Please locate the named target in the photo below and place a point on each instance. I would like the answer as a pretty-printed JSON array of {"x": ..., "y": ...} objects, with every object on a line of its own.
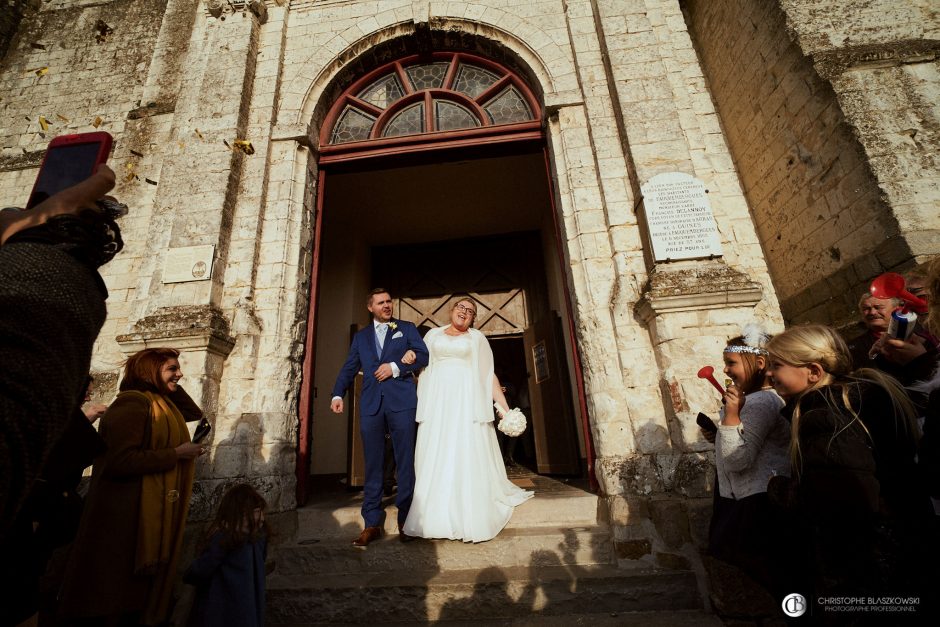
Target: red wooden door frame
[
  {"x": 305, "y": 410},
  {"x": 578, "y": 373}
]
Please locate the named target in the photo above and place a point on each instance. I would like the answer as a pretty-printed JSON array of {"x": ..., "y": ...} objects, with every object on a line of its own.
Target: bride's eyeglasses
[{"x": 466, "y": 310}]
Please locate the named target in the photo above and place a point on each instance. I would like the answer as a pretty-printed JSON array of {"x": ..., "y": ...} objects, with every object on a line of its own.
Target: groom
[{"x": 389, "y": 399}]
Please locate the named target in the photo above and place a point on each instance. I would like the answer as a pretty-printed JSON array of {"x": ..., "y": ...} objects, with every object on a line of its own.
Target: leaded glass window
[
  {"x": 473, "y": 80},
  {"x": 451, "y": 116},
  {"x": 408, "y": 121},
  {"x": 435, "y": 93},
  {"x": 353, "y": 125},
  {"x": 383, "y": 92},
  {"x": 429, "y": 76},
  {"x": 508, "y": 107}
]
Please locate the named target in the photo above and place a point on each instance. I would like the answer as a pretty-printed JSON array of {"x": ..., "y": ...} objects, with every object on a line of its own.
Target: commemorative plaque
[
  {"x": 189, "y": 263},
  {"x": 679, "y": 218}
]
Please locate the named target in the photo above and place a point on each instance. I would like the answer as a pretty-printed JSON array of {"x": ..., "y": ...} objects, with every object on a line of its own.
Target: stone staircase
[{"x": 554, "y": 559}]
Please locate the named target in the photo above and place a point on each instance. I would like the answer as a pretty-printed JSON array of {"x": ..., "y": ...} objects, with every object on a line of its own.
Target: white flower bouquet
[{"x": 512, "y": 422}]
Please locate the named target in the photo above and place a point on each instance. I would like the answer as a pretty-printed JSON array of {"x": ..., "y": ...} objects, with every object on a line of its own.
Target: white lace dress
[{"x": 461, "y": 488}]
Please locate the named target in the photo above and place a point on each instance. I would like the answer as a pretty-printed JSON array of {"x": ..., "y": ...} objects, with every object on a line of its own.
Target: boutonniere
[{"x": 392, "y": 325}]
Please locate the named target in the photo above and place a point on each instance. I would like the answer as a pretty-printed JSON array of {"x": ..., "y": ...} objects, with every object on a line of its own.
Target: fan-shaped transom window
[{"x": 448, "y": 92}]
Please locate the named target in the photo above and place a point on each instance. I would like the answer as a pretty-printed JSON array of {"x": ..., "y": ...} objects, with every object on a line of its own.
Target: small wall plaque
[
  {"x": 190, "y": 263},
  {"x": 679, "y": 218}
]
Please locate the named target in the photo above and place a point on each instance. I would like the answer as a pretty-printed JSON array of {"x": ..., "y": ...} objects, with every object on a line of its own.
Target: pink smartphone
[{"x": 69, "y": 159}]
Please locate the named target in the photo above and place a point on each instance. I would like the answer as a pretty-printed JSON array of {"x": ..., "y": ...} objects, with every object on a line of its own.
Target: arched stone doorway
[{"x": 432, "y": 182}]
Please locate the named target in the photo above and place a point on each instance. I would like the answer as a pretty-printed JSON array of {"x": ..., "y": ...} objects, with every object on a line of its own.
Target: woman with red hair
[{"x": 124, "y": 560}]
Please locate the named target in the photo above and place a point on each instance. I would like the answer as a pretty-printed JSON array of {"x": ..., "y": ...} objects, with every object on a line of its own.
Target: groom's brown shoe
[
  {"x": 368, "y": 535},
  {"x": 404, "y": 537}
]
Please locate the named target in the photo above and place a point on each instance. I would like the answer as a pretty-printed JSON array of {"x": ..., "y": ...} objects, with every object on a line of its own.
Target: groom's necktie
[{"x": 380, "y": 331}]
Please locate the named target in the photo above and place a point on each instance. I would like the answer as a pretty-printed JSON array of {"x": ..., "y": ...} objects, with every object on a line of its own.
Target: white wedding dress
[{"x": 461, "y": 488}]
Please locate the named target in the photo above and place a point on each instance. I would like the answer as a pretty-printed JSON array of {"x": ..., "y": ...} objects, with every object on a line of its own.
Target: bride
[{"x": 461, "y": 489}]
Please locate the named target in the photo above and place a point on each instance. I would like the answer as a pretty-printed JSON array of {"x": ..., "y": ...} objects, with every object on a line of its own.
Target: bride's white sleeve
[
  {"x": 421, "y": 414},
  {"x": 483, "y": 372}
]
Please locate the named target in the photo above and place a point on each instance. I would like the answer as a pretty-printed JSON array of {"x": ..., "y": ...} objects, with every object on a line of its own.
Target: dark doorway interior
[
  {"x": 426, "y": 228},
  {"x": 509, "y": 361}
]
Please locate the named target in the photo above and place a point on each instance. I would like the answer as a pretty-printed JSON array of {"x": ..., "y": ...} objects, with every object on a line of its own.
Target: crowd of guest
[{"x": 830, "y": 491}]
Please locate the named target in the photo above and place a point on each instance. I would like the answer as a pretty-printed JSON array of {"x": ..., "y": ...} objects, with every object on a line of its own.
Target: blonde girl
[
  {"x": 852, "y": 451},
  {"x": 750, "y": 447}
]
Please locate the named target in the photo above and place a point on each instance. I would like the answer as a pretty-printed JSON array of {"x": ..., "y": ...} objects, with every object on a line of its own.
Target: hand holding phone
[
  {"x": 69, "y": 160},
  {"x": 202, "y": 430},
  {"x": 72, "y": 200}
]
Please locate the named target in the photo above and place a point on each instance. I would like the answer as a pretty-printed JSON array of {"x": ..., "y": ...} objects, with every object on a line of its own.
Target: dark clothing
[
  {"x": 929, "y": 454},
  {"x": 403, "y": 432},
  {"x": 229, "y": 584},
  {"x": 51, "y": 310},
  {"x": 859, "y": 348},
  {"x": 54, "y": 502},
  {"x": 100, "y": 578},
  {"x": 858, "y": 499},
  {"x": 385, "y": 406},
  {"x": 395, "y": 393},
  {"x": 909, "y": 373},
  {"x": 747, "y": 533},
  {"x": 49, "y": 518}
]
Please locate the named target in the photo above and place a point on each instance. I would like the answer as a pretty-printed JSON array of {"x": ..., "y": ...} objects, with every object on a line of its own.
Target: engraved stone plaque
[
  {"x": 190, "y": 263},
  {"x": 679, "y": 218}
]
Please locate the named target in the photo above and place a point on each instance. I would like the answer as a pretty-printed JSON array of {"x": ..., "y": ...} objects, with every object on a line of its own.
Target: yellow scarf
[{"x": 164, "y": 505}]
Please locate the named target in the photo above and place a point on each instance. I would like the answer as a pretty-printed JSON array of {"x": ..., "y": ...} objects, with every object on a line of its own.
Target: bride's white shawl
[{"x": 481, "y": 370}]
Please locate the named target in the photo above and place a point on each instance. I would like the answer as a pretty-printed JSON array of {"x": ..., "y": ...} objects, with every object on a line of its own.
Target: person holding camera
[{"x": 52, "y": 306}]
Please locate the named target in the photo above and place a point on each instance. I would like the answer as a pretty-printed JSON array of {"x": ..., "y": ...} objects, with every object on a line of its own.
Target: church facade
[{"x": 280, "y": 157}]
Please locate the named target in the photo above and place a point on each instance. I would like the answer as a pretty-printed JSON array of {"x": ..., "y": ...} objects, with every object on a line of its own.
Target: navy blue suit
[{"x": 388, "y": 404}]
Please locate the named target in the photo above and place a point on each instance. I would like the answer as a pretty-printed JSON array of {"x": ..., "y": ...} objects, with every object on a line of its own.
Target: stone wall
[
  {"x": 882, "y": 60},
  {"x": 830, "y": 112},
  {"x": 176, "y": 86},
  {"x": 94, "y": 76},
  {"x": 815, "y": 202},
  {"x": 10, "y": 16}
]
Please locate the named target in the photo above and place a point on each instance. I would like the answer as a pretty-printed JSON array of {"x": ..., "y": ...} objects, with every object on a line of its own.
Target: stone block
[
  {"x": 230, "y": 461},
  {"x": 734, "y": 593},
  {"x": 672, "y": 561},
  {"x": 616, "y": 437},
  {"x": 671, "y": 521},
  {"x": 632, "y": 549},
  {"x": 627, "y": 510},
  {"x": 700, "y": 516}
]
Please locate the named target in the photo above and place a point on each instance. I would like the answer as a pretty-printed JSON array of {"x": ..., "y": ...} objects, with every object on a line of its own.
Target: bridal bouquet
[{"x": 512, "y": 422}]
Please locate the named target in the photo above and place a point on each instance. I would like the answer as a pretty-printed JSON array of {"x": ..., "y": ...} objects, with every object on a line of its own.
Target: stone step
[
  {"x": 483, "y": 596},
  {"x": 573, "y": 508},
  {"x": 536, "y": 546}
]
